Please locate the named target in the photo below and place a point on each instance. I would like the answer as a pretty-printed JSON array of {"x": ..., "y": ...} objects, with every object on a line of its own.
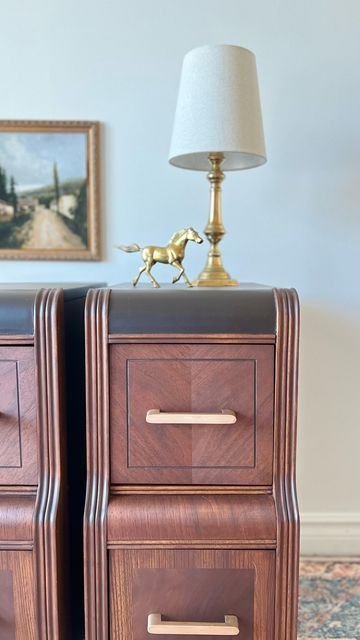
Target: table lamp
[{"x": 218, "y": 127}]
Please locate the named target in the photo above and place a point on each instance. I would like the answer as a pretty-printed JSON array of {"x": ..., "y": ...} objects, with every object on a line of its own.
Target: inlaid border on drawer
[
  {"x": 197, "y": 378},
  {"x": 18, "y": 434},
  {"x": 248, "y": 578}
]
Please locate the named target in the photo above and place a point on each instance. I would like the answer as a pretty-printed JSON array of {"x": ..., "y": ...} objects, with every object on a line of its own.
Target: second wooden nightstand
[{"x": 39, "y": 327}]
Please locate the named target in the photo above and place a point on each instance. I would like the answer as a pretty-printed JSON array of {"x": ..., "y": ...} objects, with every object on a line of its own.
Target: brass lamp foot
[
  {"x": 213, "y": 282},
  {"x": 214, "y": 274}
]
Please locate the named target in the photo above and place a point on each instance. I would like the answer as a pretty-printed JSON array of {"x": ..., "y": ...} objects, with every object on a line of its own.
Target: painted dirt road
[{"x": 48, "y": 231}]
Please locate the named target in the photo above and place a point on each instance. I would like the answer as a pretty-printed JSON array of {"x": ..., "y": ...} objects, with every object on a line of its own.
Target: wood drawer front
[
  {"x": 195, "y": 379},
  {"x": 7, "y": 612},
  {"x": 17, "y": 596},
  {"x": 18, "y": 441},
  {"x": 191, "y": 586}
]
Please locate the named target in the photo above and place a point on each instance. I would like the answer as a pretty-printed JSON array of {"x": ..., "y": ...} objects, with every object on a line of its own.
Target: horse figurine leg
[
  {"x": 136, "y": 279},
  {"x": 148, "y": 267},
  {"x": 182, "y": 273}
]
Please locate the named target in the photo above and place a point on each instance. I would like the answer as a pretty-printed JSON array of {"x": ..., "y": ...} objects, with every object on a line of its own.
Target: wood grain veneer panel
[
  {"x": 19, "y": 564},
  {"x": 10, "y": 447},
  {"x": 16, "y": 518},
  {"x": 191, "y": 378},
  {"x": 7, "y": 612},
  {"x": 191, "y": 385},
  {"x": 193, "y": 595},
  {"x": 247, "y": 578},
  {"x": 191, "y": 518},
  {"x": 18, "y": 439}
]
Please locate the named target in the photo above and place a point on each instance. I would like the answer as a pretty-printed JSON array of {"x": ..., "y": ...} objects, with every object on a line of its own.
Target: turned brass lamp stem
[{"x": 214, "y": 274}]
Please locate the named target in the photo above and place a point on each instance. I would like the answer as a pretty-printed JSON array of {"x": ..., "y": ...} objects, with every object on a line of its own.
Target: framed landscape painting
[{"x": 49, "y": 191}]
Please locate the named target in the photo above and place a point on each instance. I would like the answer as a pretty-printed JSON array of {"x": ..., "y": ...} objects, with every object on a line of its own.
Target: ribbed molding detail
[
  {"x": 48, "y": 317},
  {"x": 97, "y": 492},
  {"x": 286, "y": 376}
]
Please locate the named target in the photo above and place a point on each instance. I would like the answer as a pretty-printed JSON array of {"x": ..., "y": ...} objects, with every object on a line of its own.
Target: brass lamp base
[
  {"x": 227, "y": 282},
  {"x": 214, "y": 274}
]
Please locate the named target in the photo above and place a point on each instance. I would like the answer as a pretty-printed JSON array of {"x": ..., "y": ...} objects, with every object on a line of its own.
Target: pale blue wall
[{"x": 294, "y": 221}]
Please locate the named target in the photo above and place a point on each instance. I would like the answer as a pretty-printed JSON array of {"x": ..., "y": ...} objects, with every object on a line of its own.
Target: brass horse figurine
[{"x": 172, "y": 254}]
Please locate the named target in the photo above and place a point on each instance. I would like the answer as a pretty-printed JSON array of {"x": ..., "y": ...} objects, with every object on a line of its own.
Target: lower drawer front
[
  {"x": 17, "y": 604},
  {"x": 191, "y": 586}
]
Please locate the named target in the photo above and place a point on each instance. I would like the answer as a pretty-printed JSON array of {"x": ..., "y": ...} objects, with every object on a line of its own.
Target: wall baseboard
[{"x": 330, "y": 534}]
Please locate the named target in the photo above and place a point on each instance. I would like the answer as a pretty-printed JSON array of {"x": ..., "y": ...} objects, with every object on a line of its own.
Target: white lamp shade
[{"x": 218, "y": 110}]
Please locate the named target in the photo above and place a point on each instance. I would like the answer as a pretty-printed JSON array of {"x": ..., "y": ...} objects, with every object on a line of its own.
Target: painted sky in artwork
[{"x": 29, "y": 157}]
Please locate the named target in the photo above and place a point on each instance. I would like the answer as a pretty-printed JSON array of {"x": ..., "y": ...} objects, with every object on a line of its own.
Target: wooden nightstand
[
  {"x": 191, "y": 520},
  {"x": 37, "y": 326}
]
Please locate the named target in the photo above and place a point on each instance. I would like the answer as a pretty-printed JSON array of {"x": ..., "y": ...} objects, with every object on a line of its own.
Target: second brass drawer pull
[
  {"x": 155, "y": 416},
  {"x": 228, "y": 628}
]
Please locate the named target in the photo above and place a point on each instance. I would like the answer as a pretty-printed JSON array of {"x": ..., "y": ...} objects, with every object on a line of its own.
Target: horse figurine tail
[{"x": 129, "y": 248}]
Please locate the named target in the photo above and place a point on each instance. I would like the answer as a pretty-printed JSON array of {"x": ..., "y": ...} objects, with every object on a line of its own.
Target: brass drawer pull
[
  {"x": 155, "y": 416},
  {"x": 228, "y": 628}
]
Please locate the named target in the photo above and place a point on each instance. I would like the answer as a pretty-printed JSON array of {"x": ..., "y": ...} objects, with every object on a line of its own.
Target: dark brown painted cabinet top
[
  {"x": 17, "y": 304},
  {"x": 248, "y": 308}
]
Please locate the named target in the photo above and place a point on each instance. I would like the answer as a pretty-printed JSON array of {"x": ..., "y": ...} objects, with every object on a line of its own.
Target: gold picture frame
[{"x": 47, "y": 211}]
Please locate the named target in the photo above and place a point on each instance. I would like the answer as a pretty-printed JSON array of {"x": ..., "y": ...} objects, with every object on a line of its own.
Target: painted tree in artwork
[
  {"x": 3, "y": 185},
  {"x": 12, "y": 195},
  {"x": 78, "y": 224},
  {"x": 56, "y": 186},
  {"x": 80, "y": 213}
]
